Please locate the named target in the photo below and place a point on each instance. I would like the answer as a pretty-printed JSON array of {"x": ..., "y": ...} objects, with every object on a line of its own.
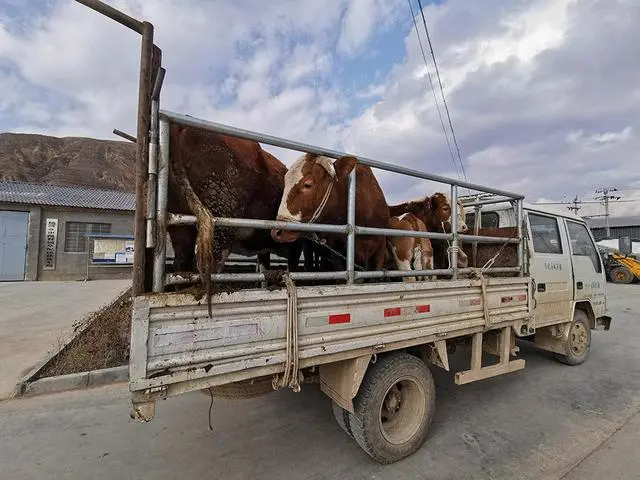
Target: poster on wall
[{"x": 112, "y": 251}]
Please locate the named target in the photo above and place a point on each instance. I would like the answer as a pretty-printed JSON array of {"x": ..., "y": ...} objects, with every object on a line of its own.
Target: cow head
[
  {"x": 441, "y": 210},
  {"x": 308, "y": 186}
]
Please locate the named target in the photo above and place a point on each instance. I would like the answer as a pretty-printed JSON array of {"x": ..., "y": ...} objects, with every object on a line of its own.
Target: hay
[{"x": 103, "y": 344}]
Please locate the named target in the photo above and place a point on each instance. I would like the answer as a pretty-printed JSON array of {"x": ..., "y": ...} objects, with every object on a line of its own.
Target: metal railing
[{"x": 350, "y": 229}]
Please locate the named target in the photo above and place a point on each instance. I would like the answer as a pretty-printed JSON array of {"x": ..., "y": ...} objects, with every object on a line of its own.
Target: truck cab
[{"x": 564, "y": 263}]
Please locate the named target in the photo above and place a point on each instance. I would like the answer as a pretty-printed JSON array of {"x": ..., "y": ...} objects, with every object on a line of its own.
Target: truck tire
[
  {"x": 621, "y": 275},
  {"x": 394, "y": 407},
  {"x": 342, "y": 417},
  {"x": 578, "y": 342}
]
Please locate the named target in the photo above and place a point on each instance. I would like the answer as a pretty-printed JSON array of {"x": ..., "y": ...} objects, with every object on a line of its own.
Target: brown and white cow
[
  {"x": 315, "y": 190},
  {"x": 410, "y": 253},
  {"x": 213, "y": 175},
  {"x": 435, "y": 211}
]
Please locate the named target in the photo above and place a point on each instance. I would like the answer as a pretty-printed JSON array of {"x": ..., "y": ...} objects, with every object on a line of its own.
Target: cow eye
[{"x": 308, "y": 184}]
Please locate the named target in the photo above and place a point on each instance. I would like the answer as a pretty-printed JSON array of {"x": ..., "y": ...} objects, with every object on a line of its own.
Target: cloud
[{"x": 543, "y": 94}]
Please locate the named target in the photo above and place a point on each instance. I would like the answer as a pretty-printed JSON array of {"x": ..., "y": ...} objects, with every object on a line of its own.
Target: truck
[{"x": 369, "y": 346}]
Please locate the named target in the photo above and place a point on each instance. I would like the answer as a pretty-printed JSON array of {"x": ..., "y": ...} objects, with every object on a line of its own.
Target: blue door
[{"x": 13, "y": 244}]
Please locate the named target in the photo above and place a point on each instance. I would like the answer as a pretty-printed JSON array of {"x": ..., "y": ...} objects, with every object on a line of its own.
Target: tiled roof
[{"x": 78, "y": 197}]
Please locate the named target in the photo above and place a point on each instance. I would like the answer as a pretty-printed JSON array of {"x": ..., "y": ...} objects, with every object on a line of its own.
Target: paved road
[
  {"x": 548, "y": 421},
  {"x": 36, "y": 316}
]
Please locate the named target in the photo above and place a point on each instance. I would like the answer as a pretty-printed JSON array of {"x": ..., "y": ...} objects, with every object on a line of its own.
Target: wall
[
  {"x": 73, "y": 266},
  {"x": 617, "y": 232},
  {"x": 33, "y": 236}
]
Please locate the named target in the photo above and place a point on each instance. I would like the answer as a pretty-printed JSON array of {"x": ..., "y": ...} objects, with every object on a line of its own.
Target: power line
[
  {"x": 586, "y": 202},
  {"x": 444, "y": 101},
  {"x": 605, "y": 198},
  {"x": 433, "y": 90}
]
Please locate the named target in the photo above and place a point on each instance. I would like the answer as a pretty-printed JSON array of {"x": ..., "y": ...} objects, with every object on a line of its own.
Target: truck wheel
[
  {"x": 342, "y": 417},
  {"x": 621, "y": 275},
  {"x": 394, "y": 407},
  {"x": 578, "y": 342}
]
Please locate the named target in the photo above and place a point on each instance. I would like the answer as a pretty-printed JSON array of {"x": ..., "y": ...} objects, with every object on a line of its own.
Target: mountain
[{"x": 67, "y": 161}]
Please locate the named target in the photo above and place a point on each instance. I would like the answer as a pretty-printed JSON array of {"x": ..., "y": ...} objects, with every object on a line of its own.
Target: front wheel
[
  {"x": 394, "y": 407},
  {"x": 578, "y": 342}
]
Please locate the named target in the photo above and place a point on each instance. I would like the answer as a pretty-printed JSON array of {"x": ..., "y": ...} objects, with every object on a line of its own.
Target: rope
[
  {"x": 324, "y": 201},
  {"x": 479, "y": 273},
  {"x": 290, "y": 376}
]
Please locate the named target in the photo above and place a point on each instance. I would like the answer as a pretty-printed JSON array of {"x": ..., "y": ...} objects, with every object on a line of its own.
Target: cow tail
[{"x": 204, "y": 258}]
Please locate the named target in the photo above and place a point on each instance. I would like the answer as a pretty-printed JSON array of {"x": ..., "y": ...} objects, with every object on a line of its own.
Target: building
[
  {"x": 49, "y": 232},
  {"x": 620, "y": 227}
]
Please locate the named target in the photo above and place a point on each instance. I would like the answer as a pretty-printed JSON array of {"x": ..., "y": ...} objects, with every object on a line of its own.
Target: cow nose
[
  {"x": 276, "y": 235},
  {"x": 464, "y": 229}
]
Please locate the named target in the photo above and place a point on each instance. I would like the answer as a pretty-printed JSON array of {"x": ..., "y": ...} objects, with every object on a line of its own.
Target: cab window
[
  {"x": 582, "y": 245},
  {"x": 487, "y": 220},
  {"x": 545, "y": 234}
]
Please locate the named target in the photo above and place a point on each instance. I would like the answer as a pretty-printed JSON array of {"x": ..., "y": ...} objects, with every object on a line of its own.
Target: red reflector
[
  {"x": 339, "y": 318},
  {"x": 475, "y": 301},
  {"x": 423, "y": 308},
  {"x": 392, "y": 312},
  {"x": 506, "y": 299},
  {"x": 522, "y": 298}
]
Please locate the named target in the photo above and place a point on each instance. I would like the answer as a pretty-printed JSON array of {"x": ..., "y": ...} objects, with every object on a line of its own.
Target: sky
[{"x": 544, "y": 95}]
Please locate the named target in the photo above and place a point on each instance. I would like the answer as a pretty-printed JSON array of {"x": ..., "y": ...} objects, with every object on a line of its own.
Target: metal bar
[
  {"x": 157, "y": 84},
  {"x": 144, "y": 112},
  {"x": 390, "y": 232},
  {"x": 175, "y": 279},
  {"x": 351, "y": 221},
  {"x": 493, "y": 270},
  {"x": 477, "y": 222},
  {"x": 126, "y": 136},
  {"x": 179, "y": 219},
  {"x": 153, "y": 174},
  {"x": 304, "y": 147},
  {"x": 520, "y": 217},
  {"x": 489, "y": 201},
  {"x": 160, "y": 251},
  {"x": 484, "y": 239},
  {"x": 454, "y": 230},
  {"x": 114, "y": 14},
  {"x": 401, "y": 273}
]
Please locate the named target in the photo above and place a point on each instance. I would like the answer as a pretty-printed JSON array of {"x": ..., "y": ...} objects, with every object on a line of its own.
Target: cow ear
[{"x": 344, "y": 165}]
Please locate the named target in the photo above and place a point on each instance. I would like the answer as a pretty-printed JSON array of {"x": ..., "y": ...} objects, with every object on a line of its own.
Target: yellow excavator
[{"x": 621, "y": 268}]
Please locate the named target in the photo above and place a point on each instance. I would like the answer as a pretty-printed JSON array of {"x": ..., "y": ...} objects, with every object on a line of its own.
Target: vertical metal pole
[
  {"x": 160, "y": 251},
  {"x": 153, "y": 174},
  {"x": 477, "y": 223},
  {"x": 454, "y": 231},
  {"x": 351, "y": 220},
  {"x": 520, "y": 220},
  {"x": 144, "y": 111}
]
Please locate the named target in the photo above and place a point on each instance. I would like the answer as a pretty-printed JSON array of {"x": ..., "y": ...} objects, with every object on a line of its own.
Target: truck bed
[{"x": 176, "y": 347}]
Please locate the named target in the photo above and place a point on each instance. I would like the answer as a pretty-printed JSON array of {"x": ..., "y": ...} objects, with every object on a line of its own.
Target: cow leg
[
  {"x": 293, "y": 258},
  {"x": 183, "y": 240}
]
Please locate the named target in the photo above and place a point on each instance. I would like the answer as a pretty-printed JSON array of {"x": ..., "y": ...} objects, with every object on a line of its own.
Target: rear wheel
[
  {"x": 342, "y": 417},
  {"x": 578, "y": 343},
  {"x": 621, "y": 275},
  {"x": 394, "y": 407}
]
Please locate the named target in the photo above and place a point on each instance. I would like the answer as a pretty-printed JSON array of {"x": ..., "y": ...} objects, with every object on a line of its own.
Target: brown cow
[
  {"x": 435, "y": 212},
  {"x": 316, "y": 191},
  {"x": 410, "y": 252},
  {"x": 214, "y": 175}
]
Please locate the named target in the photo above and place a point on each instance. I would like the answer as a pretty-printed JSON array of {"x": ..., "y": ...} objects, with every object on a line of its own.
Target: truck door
[
  {"x": 588, "y": 273},
  {"x": 550, "y": 269}
]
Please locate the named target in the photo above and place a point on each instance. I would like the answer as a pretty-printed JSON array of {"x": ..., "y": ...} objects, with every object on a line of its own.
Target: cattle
[
  {"x": 213, "y": 175},
  {"x": 435, "y": 212},
  {"x": 410, "y": 252},
  {"x": 316, "y": 191}
]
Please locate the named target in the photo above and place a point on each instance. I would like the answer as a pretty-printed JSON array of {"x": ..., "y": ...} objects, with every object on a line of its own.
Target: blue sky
[{"x": 544, "y": 94}]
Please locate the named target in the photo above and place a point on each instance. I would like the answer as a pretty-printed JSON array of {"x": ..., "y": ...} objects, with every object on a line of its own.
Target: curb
[{"x": 75, "y": 381}]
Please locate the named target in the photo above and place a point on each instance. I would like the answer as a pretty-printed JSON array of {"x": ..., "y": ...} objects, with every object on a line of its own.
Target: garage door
[{"x": 13, "y": 244}]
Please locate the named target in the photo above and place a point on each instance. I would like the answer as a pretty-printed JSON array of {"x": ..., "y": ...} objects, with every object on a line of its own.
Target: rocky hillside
[{"x": 67, "y": 161}]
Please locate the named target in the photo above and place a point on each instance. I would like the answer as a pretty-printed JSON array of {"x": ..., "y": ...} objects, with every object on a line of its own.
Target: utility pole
[
  {"x": 575, "y": 206},
  {"x": 604, "y": 198}
]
